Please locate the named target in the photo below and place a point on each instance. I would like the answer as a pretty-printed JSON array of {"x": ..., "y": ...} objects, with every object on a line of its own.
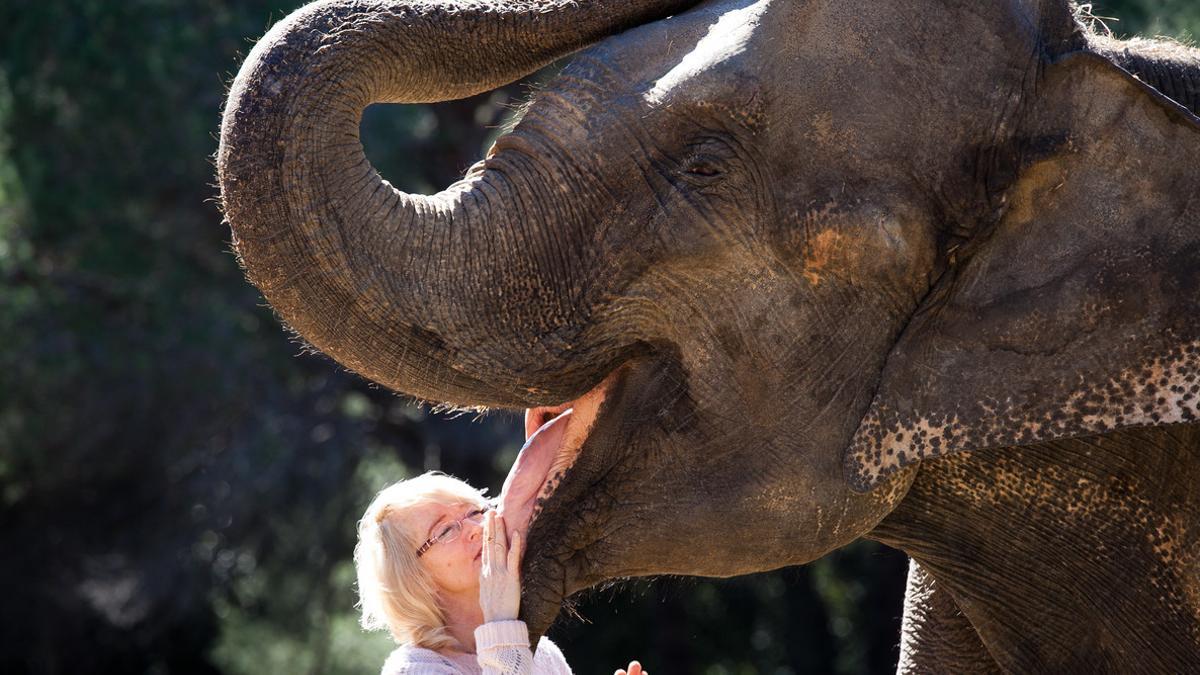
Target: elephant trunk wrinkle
[{"x": 375, "y": 290}]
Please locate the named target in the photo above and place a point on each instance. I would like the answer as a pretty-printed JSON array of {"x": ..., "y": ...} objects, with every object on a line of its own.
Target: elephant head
[{"x": 769, "y": 252}]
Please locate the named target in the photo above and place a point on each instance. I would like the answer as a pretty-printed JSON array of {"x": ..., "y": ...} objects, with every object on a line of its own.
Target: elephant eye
[{"x": 703, "y": 166}]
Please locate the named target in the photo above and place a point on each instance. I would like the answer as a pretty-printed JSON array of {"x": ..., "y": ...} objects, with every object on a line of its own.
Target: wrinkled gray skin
[{"x": 822, "y": 242}]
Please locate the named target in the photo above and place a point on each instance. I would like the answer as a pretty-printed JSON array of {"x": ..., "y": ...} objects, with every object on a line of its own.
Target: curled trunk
[{"x": 438, "y": 296}]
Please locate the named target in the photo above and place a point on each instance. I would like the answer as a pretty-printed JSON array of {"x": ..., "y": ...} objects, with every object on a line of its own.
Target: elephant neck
[{"x": 1079, "y": 554}]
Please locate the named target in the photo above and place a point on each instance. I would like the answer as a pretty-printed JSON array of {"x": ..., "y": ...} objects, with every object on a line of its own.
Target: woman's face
[{"x": 453, "y": 565}]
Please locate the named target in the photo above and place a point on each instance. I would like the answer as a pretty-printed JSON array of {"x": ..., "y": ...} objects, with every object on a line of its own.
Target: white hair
[{"x": 395, "y": 591}]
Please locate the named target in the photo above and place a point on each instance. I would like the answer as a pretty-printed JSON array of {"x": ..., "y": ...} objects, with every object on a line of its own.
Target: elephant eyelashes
[
  {"x": 707, "y": 159},
  {"x": 703, "y": 167}
]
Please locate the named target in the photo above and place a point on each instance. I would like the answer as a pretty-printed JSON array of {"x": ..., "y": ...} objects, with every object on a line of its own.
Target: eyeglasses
[{"x": 451, "y": 531}]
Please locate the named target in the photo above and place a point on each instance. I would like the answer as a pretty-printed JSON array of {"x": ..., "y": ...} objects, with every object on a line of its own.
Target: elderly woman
[{"x": 436, "y": 569}]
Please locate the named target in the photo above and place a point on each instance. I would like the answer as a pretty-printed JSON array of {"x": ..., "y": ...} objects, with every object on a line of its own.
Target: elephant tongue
[{"x": 529, "y": 473}]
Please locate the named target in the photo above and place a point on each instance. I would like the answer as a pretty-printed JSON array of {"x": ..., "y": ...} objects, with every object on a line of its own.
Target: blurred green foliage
[
  {"x": 1178, "y": 19},
  {"x": 179, "y": 483}
]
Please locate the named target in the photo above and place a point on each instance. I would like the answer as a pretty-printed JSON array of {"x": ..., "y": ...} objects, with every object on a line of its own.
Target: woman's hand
[
  {"x": 635, "y": 668},
  {"x": 500, "y": 575}
]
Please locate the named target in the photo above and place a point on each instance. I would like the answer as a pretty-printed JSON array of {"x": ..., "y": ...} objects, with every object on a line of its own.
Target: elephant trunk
[{"x": 437, "y": 296}]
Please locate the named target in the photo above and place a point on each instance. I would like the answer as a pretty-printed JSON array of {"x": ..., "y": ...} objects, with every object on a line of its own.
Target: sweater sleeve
[
  {"x": 503, "y": 649},
  {"x": 548, "y": 660}
]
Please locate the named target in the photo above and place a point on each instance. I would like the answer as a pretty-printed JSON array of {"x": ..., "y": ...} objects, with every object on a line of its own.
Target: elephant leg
[{"x": 935, "y": 636}]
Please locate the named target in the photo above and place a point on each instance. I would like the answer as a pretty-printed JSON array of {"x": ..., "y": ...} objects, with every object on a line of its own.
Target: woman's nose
[{"x": 474, "y": 530}]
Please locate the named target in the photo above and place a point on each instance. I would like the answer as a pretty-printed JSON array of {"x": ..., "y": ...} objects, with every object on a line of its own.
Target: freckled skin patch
[
  {"x": 1161, "y": 391},
  {"x": 1093, "y": 538},
  {"x": 547, "y": 490},
  {"x": 1077, "y": 316}
]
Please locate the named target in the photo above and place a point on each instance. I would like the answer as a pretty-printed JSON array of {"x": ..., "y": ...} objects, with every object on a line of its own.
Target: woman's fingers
[
  {"x": 499, "y": 583},
  {"x": 498, "y": 531},
  {"x": 495, "y": 542},
  {"x": 486, "y": 551},
  {"x": 514, "y": 552},
  {"x": 635, "y": 668}
]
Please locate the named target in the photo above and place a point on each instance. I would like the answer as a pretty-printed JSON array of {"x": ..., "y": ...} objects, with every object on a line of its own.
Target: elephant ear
[{"x": 1079, "y": 313}]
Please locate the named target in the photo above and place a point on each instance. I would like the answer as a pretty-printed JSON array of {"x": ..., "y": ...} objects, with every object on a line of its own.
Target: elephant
[{"x": 780, "y": 275}]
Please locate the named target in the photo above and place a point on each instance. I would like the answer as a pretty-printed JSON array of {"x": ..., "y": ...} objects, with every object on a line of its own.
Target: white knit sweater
[{"x": 502, "y": 649}]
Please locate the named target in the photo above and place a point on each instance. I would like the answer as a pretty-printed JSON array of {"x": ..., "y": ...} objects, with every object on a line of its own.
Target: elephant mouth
[{"x": 554, "y": 436}]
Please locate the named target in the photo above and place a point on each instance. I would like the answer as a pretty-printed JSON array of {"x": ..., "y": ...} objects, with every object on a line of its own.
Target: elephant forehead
[{"x": 720, "y": 42}]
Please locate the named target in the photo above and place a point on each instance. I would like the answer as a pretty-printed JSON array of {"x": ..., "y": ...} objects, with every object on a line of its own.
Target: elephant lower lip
[
  {"x": 550, "y": 450},
  {"x": 527, "y": 481}
]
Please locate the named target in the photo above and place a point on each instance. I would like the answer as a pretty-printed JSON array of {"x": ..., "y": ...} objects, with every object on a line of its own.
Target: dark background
[{"x": 179, "y": 482}]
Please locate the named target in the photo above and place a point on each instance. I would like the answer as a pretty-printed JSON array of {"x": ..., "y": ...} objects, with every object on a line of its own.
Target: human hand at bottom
[
  {"x": 635, "y": 668},
  {"x": 500, "y": 574}
]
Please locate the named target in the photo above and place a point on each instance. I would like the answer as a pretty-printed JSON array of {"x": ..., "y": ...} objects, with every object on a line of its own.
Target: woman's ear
[{"x": 1080, "y": 312}]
